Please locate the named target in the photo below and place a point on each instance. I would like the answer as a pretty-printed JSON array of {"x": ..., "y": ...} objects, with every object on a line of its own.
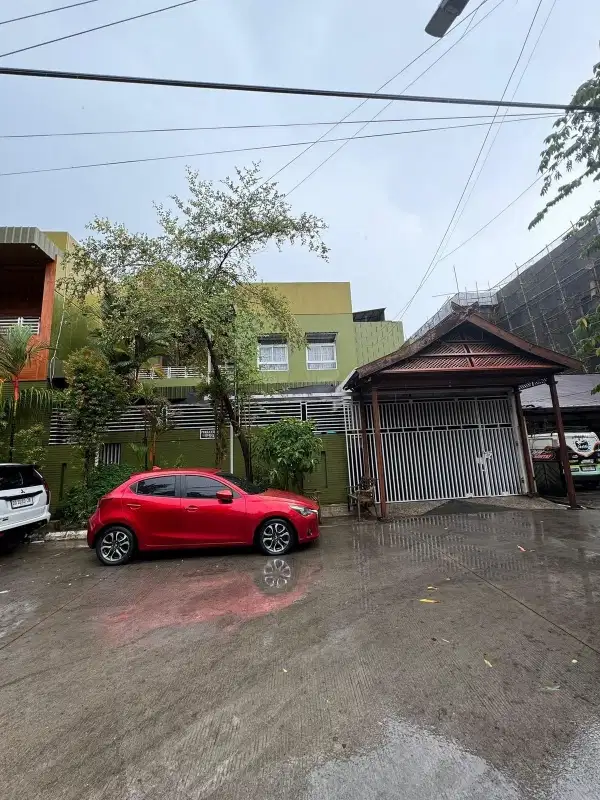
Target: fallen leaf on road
[
  {"x": 285, "y": 670},
  {"x": 428, "y": 600},
  {"x": 574, "y": 661},
  {"x": 522, "y": 549},
  {"x": 489, "y": 663},
  {"x": 434, "y": 588},
  {"x": 551, "y": 688},
  {"x": 5, "y": 591},
  {"x": 446, "y": 640}
]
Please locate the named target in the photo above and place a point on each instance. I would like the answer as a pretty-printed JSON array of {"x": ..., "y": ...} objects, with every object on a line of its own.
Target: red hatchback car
[{"x": 177, "y": 508}]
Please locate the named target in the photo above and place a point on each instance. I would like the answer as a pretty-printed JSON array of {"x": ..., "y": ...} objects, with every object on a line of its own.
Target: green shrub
[
  {"x": 285, "y": 452},
  {"x": 81, "y": 500}
]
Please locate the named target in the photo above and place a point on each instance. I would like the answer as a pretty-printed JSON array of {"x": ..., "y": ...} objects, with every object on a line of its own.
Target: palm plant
[{"x": 17, "y": 351}]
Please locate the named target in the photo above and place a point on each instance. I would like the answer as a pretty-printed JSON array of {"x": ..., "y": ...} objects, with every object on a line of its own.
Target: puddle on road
[
  {"x": 415, "y": 764},
  {"x": 421, "y": 765}
]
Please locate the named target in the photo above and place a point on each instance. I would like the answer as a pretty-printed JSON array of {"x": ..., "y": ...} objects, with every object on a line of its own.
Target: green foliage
[
  {"x": 155, "y": 413},
  {"x": 192, "y": 291},
  {"x": 29, "y": 445},
  {"x": 575, "y": 143},
  {"x": 81, "y": 500},
  {"x": 286, "y": 452},
  {"x": 95, "y": 395}
]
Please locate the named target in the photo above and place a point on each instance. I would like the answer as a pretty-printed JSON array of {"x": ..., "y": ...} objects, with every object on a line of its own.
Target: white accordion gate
[{"x": 441, "y": 449}]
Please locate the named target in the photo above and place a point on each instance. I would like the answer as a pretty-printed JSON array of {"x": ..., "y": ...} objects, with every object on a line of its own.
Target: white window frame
[
  {"x": 315, "y": 347},
  {"x": 266, "y": 360}
]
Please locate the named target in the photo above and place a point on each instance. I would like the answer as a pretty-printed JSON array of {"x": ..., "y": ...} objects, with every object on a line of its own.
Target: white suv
[{"x": 24, "y": 501}]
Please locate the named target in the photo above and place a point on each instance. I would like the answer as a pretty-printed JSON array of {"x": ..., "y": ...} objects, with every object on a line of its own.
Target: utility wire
[
  {"x": 433, "y": 263},
  {"x": 240, "y": 149},
  {"x": 470, "y": 28},
  {"x": 47, "y": 11},
  {"x": 288, "y": 90},
  {"x": 97, "y": 28},
  {"x": 360, "y": 105},
  {"x": 497, "y": 131},
  {"x": 53, "y": 134}
]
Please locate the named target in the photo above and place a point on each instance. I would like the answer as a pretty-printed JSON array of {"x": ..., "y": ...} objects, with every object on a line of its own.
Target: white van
[
  {"x": 24, "y": 501},
  {"x": 584, "y": 452}
]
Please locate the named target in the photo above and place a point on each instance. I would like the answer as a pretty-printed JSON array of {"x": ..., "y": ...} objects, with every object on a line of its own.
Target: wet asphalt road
[{"x": 321, "y": 676}]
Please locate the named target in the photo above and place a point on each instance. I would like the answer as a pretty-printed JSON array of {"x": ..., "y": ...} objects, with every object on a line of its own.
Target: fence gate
[{"x": 441, "y": 449}]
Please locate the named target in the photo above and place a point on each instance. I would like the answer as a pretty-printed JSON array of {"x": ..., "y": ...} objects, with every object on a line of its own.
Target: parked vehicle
[
  {"x": 180, "y": 508},
  {"x": 24, "y": 502},
  {"x": 584, "y": 453}
]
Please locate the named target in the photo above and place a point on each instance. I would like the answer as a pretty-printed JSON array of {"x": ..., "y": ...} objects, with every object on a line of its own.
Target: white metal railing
[
  {"x": 169, "y": 372},
  {"x": 27, "y": 322}
]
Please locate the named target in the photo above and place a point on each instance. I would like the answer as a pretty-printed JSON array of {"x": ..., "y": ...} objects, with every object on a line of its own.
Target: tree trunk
[
  {"x": 229, "y": 408},
  {"x": 11, "y": 432}
]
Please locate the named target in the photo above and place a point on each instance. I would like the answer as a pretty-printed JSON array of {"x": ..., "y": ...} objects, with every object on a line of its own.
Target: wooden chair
[{"x": 362, "y": 495}]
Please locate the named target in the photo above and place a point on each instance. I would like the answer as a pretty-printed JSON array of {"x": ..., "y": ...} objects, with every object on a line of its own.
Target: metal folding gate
[{"x": 441, "y": 449}]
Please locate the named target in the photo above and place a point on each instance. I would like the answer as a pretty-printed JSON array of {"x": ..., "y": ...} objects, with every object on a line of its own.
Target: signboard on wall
[{"x": 207, "y": 433}]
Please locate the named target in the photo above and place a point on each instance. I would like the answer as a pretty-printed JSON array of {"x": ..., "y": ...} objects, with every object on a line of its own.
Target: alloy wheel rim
[
  {"x": 277, "y": 573},
  {"x": 115, "y": 546},
  {"x": 276, "y": 537}
]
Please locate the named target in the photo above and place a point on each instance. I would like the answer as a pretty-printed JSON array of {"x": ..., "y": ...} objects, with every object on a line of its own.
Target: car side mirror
[{"x": 224, "y": 495}]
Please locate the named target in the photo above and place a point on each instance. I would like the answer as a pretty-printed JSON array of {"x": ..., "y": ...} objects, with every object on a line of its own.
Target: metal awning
[{"x": 26, "y": 246}]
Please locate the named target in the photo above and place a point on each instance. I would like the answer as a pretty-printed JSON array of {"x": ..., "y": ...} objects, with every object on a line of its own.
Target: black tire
[
  {"x": 276, "y": 537},
  {"x": 115, "y": 546}
]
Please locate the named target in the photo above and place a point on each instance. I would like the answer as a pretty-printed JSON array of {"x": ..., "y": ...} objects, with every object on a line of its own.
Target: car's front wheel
[
  {"x": 115, "y": 545},
  {"x": 276, "y": 537}
]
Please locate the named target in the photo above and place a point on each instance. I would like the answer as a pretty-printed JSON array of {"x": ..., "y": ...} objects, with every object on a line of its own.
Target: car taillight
[{"x": 48, "y": 492}]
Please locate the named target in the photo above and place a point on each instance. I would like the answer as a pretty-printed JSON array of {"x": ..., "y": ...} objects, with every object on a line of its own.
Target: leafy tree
[
  {"x": 287, "y": 451},
  {"x": 17, "y": 350},
  {"x": 195, "y": 285},
  {"x": 575, "y": 142},
  {"x": 95, "y": 395},
  {"x": 29, "y": 445}
]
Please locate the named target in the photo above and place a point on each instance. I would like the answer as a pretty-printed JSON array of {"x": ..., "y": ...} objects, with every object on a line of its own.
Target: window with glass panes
[
  {"x": 272, "y": 354},
  {"x": 321, "y": 351}
]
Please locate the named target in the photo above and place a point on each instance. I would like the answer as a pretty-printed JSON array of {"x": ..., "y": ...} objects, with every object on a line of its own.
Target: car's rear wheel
[
  {"x": 115, "y": 545},
  {"x": 276, "y": 537}
]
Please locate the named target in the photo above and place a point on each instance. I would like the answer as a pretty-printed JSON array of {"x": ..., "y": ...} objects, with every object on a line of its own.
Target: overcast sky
[{"x": 387, "y": 200}]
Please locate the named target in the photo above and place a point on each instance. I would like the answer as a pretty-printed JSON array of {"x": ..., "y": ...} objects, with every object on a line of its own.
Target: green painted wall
[
  {"x": 376, "y": 339},
  {"x": 62, "y": 468}
]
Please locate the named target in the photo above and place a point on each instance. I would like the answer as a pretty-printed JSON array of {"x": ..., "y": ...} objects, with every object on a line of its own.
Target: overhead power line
[
  {"x": 47, "y": 11},
  {"x": 364, "y": 102},
  {"x": 504, "y": 115},
  {"x": 434, "y": 261},
  {"x": 470, "y": 29},
  {"x": 53, "y": 134},
  {"x": 96, "y": 28},
  {"x": 239, "y": 150},
  {"x": 288, "y": 90}
]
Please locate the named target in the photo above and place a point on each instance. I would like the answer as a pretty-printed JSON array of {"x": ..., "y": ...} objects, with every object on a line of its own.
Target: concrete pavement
[{"x": 321, "y": 675}]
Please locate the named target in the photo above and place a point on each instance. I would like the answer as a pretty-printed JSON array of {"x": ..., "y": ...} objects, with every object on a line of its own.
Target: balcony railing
[
  {"x": 169, "y": 372},
  {"x": 29, "y": 322}
]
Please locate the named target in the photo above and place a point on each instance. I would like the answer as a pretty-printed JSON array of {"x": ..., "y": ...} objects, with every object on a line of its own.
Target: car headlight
[{"x": 306, "y": 512}]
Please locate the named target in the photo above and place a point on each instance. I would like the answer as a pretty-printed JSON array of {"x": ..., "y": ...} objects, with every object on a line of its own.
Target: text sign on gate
[{"x": 207, "y": 433}]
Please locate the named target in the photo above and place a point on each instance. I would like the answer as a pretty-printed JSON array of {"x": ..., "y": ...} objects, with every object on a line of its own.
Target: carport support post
[
  {"x": 364, "y": 438},
  {"x": 379, "y": 453},
  {"x": 525, "y": 444},
  {"x": 562, "y": 442}
]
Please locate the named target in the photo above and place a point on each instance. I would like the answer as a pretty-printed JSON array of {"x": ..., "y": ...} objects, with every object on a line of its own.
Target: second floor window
[
  {"x": 321, "y": 351},
  {"x": 272, "y": 354}
]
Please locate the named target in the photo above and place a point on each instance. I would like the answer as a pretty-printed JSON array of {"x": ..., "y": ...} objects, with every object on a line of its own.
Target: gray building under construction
[{"x": 542, "y": 299}]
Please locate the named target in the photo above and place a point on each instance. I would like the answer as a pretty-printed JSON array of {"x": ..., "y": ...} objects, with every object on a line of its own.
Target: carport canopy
[{"x": 464, "y": 351}]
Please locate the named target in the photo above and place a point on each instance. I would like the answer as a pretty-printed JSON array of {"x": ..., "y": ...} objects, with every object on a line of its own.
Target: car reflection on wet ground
[{"x": 320, "y": 675}]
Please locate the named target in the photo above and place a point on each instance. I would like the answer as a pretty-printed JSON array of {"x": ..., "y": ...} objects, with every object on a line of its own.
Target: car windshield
[{"x": 242, "y": 483}]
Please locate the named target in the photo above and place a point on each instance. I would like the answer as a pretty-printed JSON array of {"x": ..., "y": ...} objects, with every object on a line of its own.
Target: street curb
[{"x": 63, "y": 536}]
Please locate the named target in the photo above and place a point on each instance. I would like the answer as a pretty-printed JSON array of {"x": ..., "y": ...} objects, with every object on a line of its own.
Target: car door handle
[
  {"x": 133, "y": 505},
  {"x": 192, "y": 508}
]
